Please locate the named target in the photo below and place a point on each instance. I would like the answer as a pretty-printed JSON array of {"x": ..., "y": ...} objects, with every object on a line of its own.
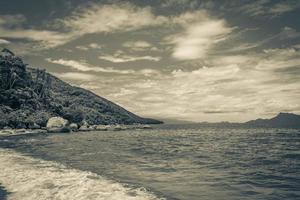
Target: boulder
[
  {"x": 101, "y": 128},
  {"x": 6, "y": 132},
  {"x": 147, "y": 127},
  {"x": 85, "y": 128},
  {"x": 73, "y": 127},
  {"x": 57, "y": 122},
  {"x": 58, "y": 125}
]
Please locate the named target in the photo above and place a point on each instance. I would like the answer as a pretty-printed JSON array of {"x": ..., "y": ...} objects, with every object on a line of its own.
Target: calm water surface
[{"x": 182, "y": 161}]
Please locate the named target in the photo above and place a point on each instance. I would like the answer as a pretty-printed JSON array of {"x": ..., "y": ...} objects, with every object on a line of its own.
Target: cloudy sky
[{"x": 197, "y": 60}]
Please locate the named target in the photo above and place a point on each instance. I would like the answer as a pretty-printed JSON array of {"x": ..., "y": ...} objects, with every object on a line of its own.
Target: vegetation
[{"x": 31, "y": 96}]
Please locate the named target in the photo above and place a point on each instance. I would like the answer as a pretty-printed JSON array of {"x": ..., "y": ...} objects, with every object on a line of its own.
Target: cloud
[
  {"x": 288, "y": 33},
  {"x": 200, "y": 35},
  {"x": 139, "y": 45},
  {"x": 267, "y": 8},
  {"x": 257, "y": 84},
  {"x": 95, "y": 18},
  {"x": 2, "y": 41},
  {"x": 95, "y": 46},
  {"x": 99, "y": 18},
  {"x": 12, "y": 20},
  {"x": 85, "y": 67},
  {"x": 278, "y": 58},
  {"x": 120, "y": 57},
  {"x": 180, "y": 3},
  {"x": 90, "y": 46},
  {"x": 11, "y": 26},
  {"x": 83, "y": 48},
  {"x": 76, "y": 76},
  {"x": 284, "y": 7}
]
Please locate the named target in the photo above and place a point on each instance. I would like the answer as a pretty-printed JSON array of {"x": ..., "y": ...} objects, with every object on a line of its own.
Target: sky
[{"x": 193, "y": 60}]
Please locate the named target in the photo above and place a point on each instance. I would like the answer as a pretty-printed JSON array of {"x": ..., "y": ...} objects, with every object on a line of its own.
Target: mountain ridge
[{"x": 281, "y": 120}]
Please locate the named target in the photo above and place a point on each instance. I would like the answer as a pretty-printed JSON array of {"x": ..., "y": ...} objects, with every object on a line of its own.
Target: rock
[
  {"x": 7, "y": 132},
  {"x": 35, "y": 131},
  {"x": 101, "y": 128},
  {"x": 117, "y": 128},
  {"x": 147, "y": 127},
  {"x": 73, "y": 127},
  {"x": 34, "y": 126},
  {"x": 20, "y": 131},
  {"x": 85, "y": 128},
  {"x": 84, "y": 124},
  {"x": 57, "y": 122}
]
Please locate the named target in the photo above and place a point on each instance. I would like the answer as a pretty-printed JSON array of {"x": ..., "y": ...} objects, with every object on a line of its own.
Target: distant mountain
[
  {"x": 30, "y": 97},
  {"x": 282, "y": 120}
]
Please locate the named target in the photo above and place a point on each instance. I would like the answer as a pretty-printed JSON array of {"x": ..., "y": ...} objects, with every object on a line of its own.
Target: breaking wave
[{"x": 29, "y": 178}]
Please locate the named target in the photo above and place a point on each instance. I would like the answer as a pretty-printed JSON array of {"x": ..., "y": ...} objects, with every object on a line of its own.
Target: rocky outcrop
[
  {"x": 57, "y": 122},
  {"x": 58, "y": 125},
  {"x": 29, "y": 97}
]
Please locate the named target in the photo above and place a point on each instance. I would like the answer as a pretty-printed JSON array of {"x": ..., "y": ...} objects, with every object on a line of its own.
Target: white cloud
[
  {"x": 95, "y": 46},
  {"x": 96, "y": 18},
  {"x": 11, "y": 27},
  {"x": 284, "y": 7},
  {"x": 90, "y": 46},
  {"x": 124, "y": 58},
  {"x": 111, "y": 18},
  {"x": 200, "y": 35},
  {"x": 139, "y": 45},
  {"x": 278, "y": 59},
  {"x": 120, "y": 57},
  {"x": 76, "y": 76},
  {"x": 85, "y": 67},
  {"x": 288, "y": 33},
  {"x": 83, "y": 48},
  {"x": 2, "y": 41},
  {"x": 255, "y": 84},
  {"x": 266, "y": 8}
]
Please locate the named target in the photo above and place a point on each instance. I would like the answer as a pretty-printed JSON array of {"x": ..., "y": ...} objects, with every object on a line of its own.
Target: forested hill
[{"x": 31, "y": 96}]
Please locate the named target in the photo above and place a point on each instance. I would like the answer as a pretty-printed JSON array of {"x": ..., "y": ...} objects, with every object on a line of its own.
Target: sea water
[{"x": 169, "y": 162}]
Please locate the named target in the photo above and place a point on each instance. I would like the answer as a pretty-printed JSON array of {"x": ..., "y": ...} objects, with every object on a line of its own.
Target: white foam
[{"x": 29, "y": 178}]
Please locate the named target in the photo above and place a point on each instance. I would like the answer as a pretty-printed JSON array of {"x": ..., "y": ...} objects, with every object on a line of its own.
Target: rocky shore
[{"x": 60, "y": 125}]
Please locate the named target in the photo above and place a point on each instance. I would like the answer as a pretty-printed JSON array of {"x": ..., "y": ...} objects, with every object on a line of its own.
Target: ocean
[{"x": 170, "y": 162}]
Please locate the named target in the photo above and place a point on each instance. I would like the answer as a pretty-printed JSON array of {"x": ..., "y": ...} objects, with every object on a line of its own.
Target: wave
[{"x": 30, "y": 178}]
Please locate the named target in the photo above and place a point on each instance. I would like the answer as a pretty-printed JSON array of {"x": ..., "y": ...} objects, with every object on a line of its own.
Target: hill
[
  {"x": 31, "y": 96},
  {"x": 282, "y": 120}
]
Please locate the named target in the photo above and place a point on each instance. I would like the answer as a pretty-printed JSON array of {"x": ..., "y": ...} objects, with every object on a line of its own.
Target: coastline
[{"x": 17, "y": 132}]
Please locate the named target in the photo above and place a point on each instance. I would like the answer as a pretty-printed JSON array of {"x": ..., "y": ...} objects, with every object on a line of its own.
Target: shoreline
[{"x": 17, "y": 132}]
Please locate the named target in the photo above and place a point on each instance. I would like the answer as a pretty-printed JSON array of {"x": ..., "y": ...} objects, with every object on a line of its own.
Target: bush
[{"x": 74, "y": 115}]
